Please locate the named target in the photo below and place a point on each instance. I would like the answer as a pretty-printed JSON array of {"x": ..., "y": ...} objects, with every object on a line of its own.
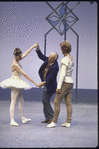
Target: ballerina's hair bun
[{"x": 17, "y": 51}]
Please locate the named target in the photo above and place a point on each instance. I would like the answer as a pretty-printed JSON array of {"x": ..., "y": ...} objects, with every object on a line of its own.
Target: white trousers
[{"x": 16, "y": 94}]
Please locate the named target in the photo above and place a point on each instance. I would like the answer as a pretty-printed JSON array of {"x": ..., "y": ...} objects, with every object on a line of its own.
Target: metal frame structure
[{"x": 63, "y": 17}]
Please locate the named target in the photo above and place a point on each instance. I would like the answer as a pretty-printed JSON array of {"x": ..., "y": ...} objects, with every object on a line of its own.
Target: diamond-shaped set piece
[{"x": 62, "y": 18}]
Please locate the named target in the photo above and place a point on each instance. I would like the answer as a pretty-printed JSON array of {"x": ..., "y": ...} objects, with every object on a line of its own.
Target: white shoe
[
  {"x": 52, "y": 124},
  {"x": 25, "y": 120},
  {"x": 65, "y": 125},
  {"x": 13, "y": 123}
]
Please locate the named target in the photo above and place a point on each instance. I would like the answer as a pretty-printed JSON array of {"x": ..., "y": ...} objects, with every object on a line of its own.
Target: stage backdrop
[{"x": 23, "y": 23}]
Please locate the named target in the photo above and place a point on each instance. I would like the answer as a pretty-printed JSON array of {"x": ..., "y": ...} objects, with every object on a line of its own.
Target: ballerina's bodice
[{"x": 14, "y": 71}]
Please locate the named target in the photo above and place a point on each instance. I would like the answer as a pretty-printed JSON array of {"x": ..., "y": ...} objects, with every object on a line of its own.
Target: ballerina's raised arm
[{"x": 27, "y": 52}]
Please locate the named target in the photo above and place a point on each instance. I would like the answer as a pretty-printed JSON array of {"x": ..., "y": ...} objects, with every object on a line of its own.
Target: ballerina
[{"x": 16, "y": 83}]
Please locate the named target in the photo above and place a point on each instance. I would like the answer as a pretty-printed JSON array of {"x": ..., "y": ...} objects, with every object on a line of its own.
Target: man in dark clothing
[{"x": 48, "y": 74}]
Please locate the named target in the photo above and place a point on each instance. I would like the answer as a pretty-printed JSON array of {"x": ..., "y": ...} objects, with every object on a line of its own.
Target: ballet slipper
[
  {"x": 25, "y": 120},
  {"x": 13, "y": 123}
]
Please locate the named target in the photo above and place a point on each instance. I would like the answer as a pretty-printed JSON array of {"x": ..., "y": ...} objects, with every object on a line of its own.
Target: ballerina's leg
[
  {"x": 20, "y": 98},
  {"x": 14, "y": 95}
]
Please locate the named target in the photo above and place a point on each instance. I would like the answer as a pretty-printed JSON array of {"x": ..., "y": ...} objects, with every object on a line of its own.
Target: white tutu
[{"x": 15, "y": 81}]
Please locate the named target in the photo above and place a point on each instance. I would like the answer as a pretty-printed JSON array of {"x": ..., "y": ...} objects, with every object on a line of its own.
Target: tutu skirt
[{"x": 16, "y": 82}]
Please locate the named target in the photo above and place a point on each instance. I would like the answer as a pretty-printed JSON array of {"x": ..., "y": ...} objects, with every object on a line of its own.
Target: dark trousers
[{"x": 47, "y": 108}]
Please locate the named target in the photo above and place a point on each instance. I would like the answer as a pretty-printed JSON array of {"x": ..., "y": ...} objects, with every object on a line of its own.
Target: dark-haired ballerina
[{"x": 16, "y": 83}]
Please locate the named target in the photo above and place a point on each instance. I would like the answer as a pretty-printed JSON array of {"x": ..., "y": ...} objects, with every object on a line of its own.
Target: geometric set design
[{"x": 60, "y": 19}]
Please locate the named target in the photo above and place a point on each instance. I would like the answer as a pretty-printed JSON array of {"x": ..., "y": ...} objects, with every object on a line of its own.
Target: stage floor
[{"x": 82, "y": 133}]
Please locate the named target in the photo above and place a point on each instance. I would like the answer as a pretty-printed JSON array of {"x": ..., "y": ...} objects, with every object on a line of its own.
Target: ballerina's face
[{"x": 18, "y": 57}]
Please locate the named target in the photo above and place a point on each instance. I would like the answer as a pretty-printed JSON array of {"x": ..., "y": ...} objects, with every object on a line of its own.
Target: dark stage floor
[{"x": 82, "y": 133}]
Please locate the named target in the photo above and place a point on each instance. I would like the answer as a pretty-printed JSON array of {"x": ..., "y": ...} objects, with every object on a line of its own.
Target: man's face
[{"x": 52, "y": 58}]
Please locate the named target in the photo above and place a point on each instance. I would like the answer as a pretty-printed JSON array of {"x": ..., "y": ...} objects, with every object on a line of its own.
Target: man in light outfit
[{"x": 65, "y": 85}]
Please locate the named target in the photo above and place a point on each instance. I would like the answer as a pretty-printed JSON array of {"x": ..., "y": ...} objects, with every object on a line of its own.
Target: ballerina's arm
[
  {"x": 17, "y": 67},
  {"x": 27, "y": 52}
]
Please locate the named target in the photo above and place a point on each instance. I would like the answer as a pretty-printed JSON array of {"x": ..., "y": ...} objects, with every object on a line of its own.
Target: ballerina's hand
[
  {"x": 35, "y": 45},
  {"x": 41, "y": 84},
  {"x": 37, "y": 84}
]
